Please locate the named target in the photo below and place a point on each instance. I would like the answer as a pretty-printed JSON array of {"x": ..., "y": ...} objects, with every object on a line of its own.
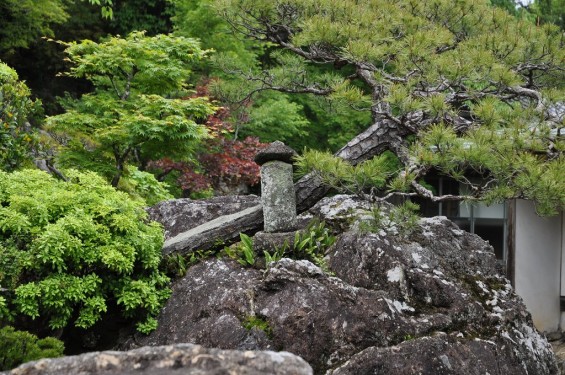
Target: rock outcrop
[
  {"x": 170, "y": 360},
  {"x": 430, "y": 302}
]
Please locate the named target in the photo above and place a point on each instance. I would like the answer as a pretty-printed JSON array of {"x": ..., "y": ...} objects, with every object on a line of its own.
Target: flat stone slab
[
  {"x": 224, "y": 228},
  {"x": 179, "y": 215}
]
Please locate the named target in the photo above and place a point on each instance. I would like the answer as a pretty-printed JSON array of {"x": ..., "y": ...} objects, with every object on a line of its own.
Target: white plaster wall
[
  {"x": 562, "y": 257},
  {"x": 562, "y": 323},
  {"x": 538, "y": 265}
]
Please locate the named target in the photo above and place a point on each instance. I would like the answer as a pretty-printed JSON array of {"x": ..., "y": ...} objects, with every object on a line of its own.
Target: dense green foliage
[
  {"x": 19, "y": 347},
  {"x": 16, "y": 109},
  {"x": 549, "y": 11},
  {"x": 69, "y": 250},
  {"x": 347, "y": 178},
  {"x": 136, "y": 112},
  {"x": 151, "y": 16},
  {"x": 144, "y": 185},
  {"x": 23, "y": 21},
  {"x": 299, "y": 121},
  {"x": 536, "y": 11},
  {"x": 199, "y": 19},
  {"x": 451, "y": 86}
]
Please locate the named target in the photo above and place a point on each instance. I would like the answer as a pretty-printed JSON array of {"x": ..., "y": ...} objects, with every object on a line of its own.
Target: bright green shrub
[
  {"x": 19, "y": 347},
  {"x": 144, "y": 185},
  {"x": 70, "y": 249}
]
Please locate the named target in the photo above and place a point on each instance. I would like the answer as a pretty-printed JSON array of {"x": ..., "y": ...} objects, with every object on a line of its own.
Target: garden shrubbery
[
  {"x": 19, "y": 347},
  {"x": 70, "y": 250}
]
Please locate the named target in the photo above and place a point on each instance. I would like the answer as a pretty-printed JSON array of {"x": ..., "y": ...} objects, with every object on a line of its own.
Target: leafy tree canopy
[
  {"x": 448, "y": 85},
  {"x": 223, "y": 164},
  {"x": 299, "y": 121},
  {"x": 538, "y": 11},
  {"x": 25, "y": 21},
  {"x": 199, "y": 19},
  {"x": 16, "y": 109},
  {"x": 139, "y": 109},
  {"x": 547, "y": 11},
  {"x": 70, "y": 250}
]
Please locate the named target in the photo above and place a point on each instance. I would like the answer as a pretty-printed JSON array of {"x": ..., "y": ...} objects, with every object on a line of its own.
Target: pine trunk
[{"x": 378, "y": 138}]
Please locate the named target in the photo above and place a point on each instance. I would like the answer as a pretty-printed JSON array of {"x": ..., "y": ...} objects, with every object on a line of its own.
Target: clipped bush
[
  {"x": 19, "y": 347},
  {"x": 68, "y": 250}
]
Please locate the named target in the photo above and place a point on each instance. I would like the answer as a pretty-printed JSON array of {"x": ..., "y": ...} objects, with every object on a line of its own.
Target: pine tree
[{"x": 451, "y": 85}]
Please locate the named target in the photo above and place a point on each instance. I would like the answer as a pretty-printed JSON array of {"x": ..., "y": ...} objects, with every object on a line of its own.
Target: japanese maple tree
[{"x": 223, "y": 160}]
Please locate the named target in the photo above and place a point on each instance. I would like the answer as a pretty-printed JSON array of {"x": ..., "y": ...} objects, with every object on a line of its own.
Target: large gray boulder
[
  {"x": 185, "y": 359},
  {"x": 432, "y": 302}
]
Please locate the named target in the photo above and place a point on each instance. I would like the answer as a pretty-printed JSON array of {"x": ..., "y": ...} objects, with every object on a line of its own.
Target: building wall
[
  {"x": 538, "y": 247},
  {"x": 562, "y": 324}
]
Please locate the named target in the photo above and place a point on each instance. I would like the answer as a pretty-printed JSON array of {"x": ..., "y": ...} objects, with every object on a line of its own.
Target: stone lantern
[{"x": 277, "y": 188}]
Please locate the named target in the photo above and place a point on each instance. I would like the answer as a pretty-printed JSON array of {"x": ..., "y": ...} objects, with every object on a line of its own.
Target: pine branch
[{"x": 529, "y": 93}]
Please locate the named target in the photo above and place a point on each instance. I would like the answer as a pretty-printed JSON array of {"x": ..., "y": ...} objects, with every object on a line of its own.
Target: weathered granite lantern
[{"x": 277, "y": 189}]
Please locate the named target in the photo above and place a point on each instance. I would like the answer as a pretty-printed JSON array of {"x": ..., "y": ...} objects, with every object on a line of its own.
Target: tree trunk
[
  {"x": 381, "y": 136},
  {"x": 120, "y": 163}
]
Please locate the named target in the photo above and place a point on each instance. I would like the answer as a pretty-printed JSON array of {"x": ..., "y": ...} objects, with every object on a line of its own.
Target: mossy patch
[{"x": 253, "y": 321}]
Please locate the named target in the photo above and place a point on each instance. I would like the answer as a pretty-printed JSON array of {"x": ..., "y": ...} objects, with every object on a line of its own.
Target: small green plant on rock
[
  {"x": 247, "y": 254},
  {"x": 313, "y": 242},
  {"x": 401, "y": 219},
  {"x": 310, "y": 243},
  {"x": 406, "y": 217},
  {"x": 242, "y": 252},
  {"x": 176, "y": 265},
  {"x": 253, "y": 321},
  {"x": 277, "y": 255}
]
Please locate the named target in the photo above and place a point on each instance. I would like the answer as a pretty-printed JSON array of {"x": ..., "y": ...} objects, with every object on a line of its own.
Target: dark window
[{"x": 489, "y": 222}]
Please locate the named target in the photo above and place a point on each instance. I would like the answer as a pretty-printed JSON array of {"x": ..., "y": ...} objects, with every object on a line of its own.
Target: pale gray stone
[
  {"x": 223, "y": 228},
  {"x": 278, "y": 197},
  {"x": 170, "y": 360}
]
